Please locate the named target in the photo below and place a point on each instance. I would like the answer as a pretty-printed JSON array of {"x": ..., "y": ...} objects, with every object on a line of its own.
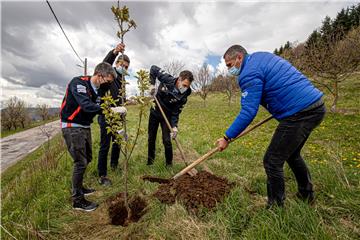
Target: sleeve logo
[
  {"x": 81, "y": 88},
  {"x": 244, "y": 94}
]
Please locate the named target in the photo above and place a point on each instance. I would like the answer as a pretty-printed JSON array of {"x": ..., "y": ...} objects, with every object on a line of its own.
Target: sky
[{"x": 37, "y": 62}]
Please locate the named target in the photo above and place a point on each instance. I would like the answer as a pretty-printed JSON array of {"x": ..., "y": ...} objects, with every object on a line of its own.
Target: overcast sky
[{"x": 37, "y": 61}]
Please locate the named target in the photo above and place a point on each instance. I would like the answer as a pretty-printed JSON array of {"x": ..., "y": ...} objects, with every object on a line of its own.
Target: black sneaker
[
  {"x": 85, "y": 205},
  {"x": 104, "y": 181},
  {"x": 88, "y": 191}
]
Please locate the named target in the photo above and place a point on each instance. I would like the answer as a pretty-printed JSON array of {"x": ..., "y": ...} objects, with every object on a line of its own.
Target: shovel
[
  {"x": 193, "y": 172},
  {"x": 204, "y": 157}
]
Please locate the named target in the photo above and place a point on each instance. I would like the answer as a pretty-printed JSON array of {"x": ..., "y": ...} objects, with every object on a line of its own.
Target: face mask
[
  {"x": 181, "y": 88},
  {"x": 234, "y": 70},
  {"x": 121, "y": 70}
]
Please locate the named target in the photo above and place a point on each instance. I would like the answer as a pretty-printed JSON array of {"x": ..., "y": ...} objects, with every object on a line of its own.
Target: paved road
[{"x": 17, "y": 146}]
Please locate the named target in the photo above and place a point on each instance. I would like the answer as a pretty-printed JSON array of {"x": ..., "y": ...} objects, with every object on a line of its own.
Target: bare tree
[
  {"x": 23, "y": 115},
  {"x": 331, "y": 62},
  {"x": 203, "y": 78},
  {"x": 16, "y": 113},
  {"x": 6, "y": 122},
  {"x": 174, "y": 67},
  {"x": 43, "y": 111}
]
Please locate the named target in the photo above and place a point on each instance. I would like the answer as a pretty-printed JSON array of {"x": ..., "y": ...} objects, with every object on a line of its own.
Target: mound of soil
[
  {"x": 201, "y": 190},
  {"x": 118, "y": 213}
]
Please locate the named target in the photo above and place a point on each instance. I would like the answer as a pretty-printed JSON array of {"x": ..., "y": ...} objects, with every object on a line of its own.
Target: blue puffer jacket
[{"x": 274, "y": 83}]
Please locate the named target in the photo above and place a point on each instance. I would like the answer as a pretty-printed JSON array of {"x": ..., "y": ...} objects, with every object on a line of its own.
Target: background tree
[
  {"x": 43, "y": 111},
  {"x": 6, "y": 122},
  {"x": 330, "y": 61},
  {"x": 16, "y": 113},
  {"x": 225, "y": 84},
  {"x": 174, "y": 67},
  {"x": 203, "y": 78}
]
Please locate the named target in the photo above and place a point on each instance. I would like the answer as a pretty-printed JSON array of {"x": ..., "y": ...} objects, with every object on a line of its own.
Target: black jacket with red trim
[
  {"x": 171, "y": 100},
  {"x": 81, "y": 103}
]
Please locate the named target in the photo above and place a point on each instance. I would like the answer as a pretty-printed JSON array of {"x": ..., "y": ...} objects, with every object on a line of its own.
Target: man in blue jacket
[
  {"x": 172, "y": 95},
  {"x": 268, "y": 80},
  {"x": 79, "y": 106}
]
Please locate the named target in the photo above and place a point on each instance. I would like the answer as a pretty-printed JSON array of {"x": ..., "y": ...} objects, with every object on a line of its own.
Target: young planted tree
[{"x": 117, "y": 124}]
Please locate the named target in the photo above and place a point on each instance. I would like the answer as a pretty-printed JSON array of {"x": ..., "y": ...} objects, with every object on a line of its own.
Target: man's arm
[
  {"x": 79, "y": 92},
  {"x": 111, "y": 56},
  {"x": 250, "y": 101},
  {"x": 161, "y": 75}
]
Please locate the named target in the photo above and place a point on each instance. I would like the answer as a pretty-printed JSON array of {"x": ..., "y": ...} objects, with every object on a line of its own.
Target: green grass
[
  {"x": 5, "y": 133},
  {"x": 36, "y": 193}
]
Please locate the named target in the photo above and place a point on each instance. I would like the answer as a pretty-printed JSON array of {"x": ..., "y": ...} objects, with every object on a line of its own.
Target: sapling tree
[{"x": 117, "y": 124}]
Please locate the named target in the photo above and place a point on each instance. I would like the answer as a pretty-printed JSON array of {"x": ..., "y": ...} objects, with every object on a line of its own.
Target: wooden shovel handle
[{"x": 214, "y": 150}]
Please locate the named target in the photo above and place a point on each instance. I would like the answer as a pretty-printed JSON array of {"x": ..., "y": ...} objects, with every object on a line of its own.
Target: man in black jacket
[
  {"x": 80, "y": 105},
  {"x": 115, "y": 88},
  {"x": 172, "y": 94}
]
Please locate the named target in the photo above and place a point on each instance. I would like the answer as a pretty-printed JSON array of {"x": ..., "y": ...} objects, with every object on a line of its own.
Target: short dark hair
[
  {"x": 104, "y": 69},
  {"x": 186, "y": 75},
  {"x": 123, "y": 57},
  {"x": 234, "y": 50}
]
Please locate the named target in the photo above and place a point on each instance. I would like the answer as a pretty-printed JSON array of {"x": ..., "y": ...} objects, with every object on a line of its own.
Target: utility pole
[{"x": 85, "y": 67}]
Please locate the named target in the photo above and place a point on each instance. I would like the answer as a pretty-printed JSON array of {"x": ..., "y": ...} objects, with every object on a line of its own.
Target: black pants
[
  {"x": 105, "y": 141},
  {"x": 286, "y": 144},
  {"x": 78, "y": 142},
  {"x": 155, "y": 119}
]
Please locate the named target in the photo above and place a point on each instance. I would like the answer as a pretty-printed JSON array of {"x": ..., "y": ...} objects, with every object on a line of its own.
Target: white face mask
[{"x": 181, "y": 88}]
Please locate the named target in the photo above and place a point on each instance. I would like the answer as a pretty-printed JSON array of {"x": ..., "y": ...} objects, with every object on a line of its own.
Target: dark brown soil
[
  {"x": 201, "y": 190},
  {"x": 118, "y": 213}
]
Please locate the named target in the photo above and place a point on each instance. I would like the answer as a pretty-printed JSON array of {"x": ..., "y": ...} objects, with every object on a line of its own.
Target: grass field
[{"x": 36, "y": 202}]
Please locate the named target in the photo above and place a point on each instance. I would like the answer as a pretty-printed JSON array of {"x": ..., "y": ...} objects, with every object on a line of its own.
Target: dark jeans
[
  {"x": 286, "y": 144},
  {"x": 78, "y": 142},
  {"x": 105, "y": 140},
  {"x": 155, "y": 119}
]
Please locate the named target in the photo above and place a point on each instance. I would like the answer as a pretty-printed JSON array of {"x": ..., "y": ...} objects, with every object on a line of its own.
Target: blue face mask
[
  {"x": 121, "y": 70},
  {"x": 234, "y": 70}
]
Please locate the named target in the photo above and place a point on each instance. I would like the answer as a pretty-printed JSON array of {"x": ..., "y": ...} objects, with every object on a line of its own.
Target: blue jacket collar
[{"x": 244, "y": 62}]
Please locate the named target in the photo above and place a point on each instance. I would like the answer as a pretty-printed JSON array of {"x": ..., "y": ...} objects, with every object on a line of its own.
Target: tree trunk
[{"x": 336, "y": 96}]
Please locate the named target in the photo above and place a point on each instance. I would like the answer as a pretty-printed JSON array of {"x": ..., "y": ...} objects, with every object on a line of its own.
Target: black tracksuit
[
  {"x": 105, "y": 138},
  {"x": 79, "y": 106},
  {"x": 172, "y": 102}
]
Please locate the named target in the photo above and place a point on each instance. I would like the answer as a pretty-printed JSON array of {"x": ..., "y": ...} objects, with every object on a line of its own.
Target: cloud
[{"x": 38, "y": 61}]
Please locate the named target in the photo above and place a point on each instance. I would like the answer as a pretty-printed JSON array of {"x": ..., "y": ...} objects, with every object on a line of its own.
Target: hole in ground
[{"x": 118, "y": 213}]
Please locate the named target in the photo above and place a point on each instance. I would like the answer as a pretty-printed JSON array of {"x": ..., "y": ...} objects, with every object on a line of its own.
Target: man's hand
[
  {"x": 121, "y": 110},
  {"x": 152, "y": 90},
  {"x": 222, "y": 144},
  {"x": 174, "y": 132},
  {"x": 122, "y": 133},
  {"x": 119, "y": 48}
]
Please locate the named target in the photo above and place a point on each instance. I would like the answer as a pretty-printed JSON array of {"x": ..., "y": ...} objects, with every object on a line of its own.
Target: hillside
[{"x": 36, "y": 192}]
